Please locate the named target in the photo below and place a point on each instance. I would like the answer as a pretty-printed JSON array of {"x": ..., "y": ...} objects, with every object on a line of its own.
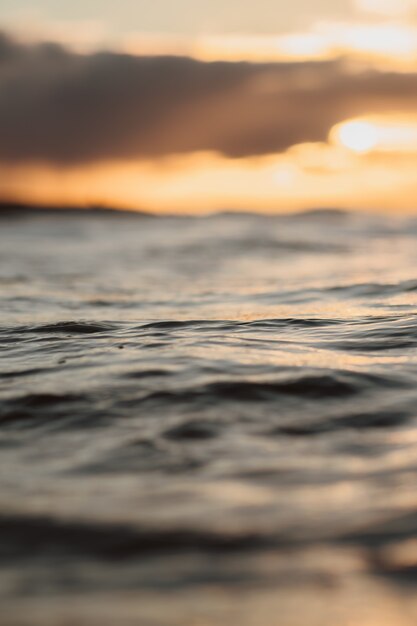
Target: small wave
[
  {"x": 25, "y": 536},
  {"x": 72, "y": 328},
  {"x": 150, "y": 373},
  {"x": 292, "y": 322},
  {"x": 35, "y": 407},
  {"x": 192, "y": 430},
  {"x": 320, "y": 386},
  {"x": 378, "y": 335},
  {"x": 177, "y": 324},
  {"x": 356, "y": 421},
  {"x": 23, "y": 373},
  {"x": 237, "y": 325},
  {"x": 361, "y": 290}
]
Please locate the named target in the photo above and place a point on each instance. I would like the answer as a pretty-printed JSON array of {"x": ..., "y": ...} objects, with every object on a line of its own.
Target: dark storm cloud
[{"x": 64, "y": 108}]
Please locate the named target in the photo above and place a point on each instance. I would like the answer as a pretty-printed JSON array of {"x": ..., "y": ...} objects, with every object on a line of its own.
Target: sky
[
  {"x": 183, "y": 16},
  {"x": 197, "y": 105}
]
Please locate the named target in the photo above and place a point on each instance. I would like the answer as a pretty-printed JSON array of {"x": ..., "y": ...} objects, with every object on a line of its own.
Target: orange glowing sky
[{"x": 366, "y": 159}]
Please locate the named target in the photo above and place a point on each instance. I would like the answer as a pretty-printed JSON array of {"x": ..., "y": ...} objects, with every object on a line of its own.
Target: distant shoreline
[{"x": 20, "y": 210}]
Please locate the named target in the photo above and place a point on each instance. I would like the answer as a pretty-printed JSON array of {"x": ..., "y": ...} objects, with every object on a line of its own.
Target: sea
[{"x": 208, "y": 421}]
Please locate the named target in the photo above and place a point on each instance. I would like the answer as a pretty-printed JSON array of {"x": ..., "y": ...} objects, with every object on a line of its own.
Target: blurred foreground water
[{"x": 208, "y": 421}]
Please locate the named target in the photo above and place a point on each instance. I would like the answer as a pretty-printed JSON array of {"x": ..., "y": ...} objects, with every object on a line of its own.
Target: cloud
[{"x": 64, "y": 108}]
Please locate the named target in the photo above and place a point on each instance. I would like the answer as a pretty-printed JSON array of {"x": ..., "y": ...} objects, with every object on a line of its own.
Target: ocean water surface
[{"x": 208, "y": 421}]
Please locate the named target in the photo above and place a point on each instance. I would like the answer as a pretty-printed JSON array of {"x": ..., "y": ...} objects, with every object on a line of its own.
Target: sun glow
[
  {"x": 307, "y": 175},
  {"x": 376, "y": 134},
  {"x": 358, "y": 136}
]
